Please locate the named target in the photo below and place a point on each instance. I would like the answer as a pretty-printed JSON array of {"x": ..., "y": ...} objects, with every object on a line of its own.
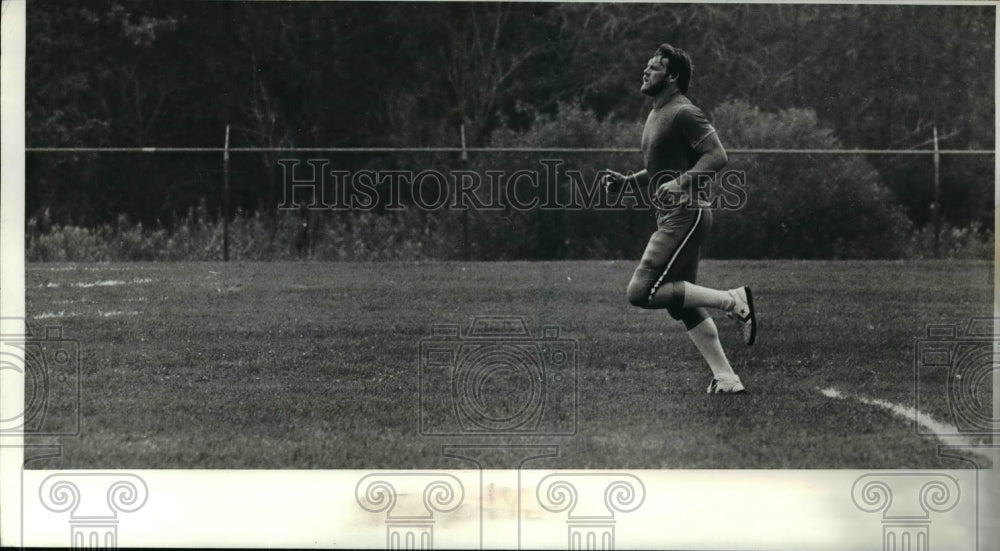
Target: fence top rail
[{"x": 737, "y": 151}]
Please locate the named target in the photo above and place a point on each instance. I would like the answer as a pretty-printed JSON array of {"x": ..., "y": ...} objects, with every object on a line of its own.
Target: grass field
[{"x": 316, "y": 365}]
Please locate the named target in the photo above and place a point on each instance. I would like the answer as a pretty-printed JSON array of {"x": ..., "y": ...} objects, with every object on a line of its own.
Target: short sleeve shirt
[{"x": 671, "y": 134}]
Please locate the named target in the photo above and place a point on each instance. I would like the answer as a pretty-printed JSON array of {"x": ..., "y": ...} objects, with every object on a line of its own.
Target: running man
[{"x": 679, "y": 143}]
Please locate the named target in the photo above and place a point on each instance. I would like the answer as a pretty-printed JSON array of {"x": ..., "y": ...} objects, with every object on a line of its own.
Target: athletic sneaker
[
  {"x": 726, "y": 387},
  {"x": 744, "y": 314}
]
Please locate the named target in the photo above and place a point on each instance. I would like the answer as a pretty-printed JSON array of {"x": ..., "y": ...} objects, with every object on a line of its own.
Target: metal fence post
[
  {"x": 225, "y": 199},
  {"x": 936, "y": 201}
]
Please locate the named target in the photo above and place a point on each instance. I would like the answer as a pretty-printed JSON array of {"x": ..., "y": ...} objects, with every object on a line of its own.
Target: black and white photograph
[{"x": 500, "y": 274}]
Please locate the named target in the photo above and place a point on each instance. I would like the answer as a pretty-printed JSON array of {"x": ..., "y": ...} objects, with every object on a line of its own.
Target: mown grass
[{"x": 316, "y": 365}]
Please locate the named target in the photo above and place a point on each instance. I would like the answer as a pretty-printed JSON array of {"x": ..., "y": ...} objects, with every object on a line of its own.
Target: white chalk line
[
  {"x": 946, "y": 433},
  {"x": 85, "y": 301},
  {"x": 41, "y": 267},
  {"x": 102, "y": 283},
  {"x": 104, "y": 314},
  {"x": 52, "y": 315}
]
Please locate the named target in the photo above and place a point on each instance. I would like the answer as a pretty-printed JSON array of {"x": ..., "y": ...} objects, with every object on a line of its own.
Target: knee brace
[{"x": 690, "y": 317}]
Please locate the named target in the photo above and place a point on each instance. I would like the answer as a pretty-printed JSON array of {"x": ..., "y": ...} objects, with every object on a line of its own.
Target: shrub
[
  {"x": 570, "y": 233},
  {"x": 406, "y": 235},
  {"x": 972, "y": 243},
  {"x": 803, "y": 206},
  {"x": 799, "y": 206}
]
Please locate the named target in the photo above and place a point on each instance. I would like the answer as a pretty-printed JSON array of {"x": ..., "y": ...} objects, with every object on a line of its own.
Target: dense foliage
[{"x": 290, "y": 74}]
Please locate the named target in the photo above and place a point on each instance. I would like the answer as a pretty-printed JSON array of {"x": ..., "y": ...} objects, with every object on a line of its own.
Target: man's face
[{"x": 654, "y": 78}]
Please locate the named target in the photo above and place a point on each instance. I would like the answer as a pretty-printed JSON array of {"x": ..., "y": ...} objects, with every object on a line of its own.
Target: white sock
[
  {"x": 706, "y": 338},
  {"x": 696, "y": 296}
]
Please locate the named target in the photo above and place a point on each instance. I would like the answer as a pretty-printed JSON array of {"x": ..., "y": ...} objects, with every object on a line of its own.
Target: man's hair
[{"x": 678, "y": 62}]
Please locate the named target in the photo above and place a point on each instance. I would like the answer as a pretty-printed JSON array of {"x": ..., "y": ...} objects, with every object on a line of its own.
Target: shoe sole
[
  {"x": 740, "y": 391},
  {"x": 753, "y": 317}
]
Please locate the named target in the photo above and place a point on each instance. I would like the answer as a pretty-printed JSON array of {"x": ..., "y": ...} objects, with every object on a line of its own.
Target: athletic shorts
[{"x": 674, "y": 248}]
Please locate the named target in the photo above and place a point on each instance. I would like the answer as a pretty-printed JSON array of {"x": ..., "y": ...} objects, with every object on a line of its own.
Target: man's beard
[{"x": 652, "y": 90}]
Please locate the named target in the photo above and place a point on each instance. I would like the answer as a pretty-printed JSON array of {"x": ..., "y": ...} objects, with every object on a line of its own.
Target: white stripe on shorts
[{"x": 656, "y": 286}]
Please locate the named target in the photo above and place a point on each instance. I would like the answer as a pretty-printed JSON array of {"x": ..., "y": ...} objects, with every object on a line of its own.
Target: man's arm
[
  {"x": 713, "y": 159},
  {"x": 614, "y": 181}
]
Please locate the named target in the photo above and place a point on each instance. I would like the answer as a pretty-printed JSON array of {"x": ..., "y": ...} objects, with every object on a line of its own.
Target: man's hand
[
  {"x": 669, "y": 195},
  {"x": 613, "y": 181}
]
